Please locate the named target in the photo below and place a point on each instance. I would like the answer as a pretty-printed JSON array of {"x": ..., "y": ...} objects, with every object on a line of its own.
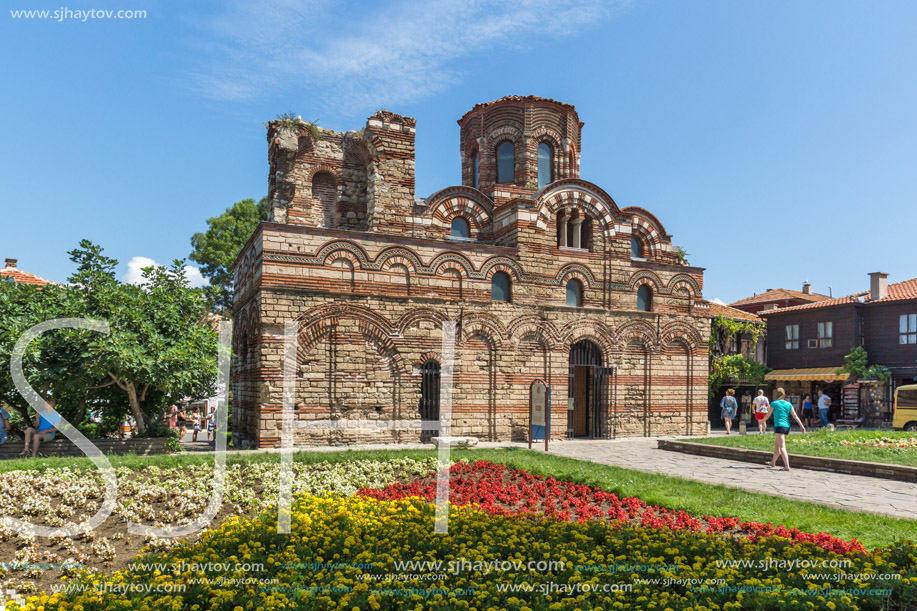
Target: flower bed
[
  {"x": 361, "y": 553},
  {"x": 154, "y": 496},
  {"x": 499, "y": 490},
  {"x": 900, "y": 443}
]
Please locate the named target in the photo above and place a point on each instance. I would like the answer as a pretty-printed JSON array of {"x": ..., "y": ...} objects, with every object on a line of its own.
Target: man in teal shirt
[{"x": 781, "y": 411}]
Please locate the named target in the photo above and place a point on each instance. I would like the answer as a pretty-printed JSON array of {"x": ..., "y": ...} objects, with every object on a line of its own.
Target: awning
[{"x": 816, "y": 374}]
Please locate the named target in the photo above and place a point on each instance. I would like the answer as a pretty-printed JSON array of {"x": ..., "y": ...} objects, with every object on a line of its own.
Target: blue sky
[{"x": 775, "y": 140}]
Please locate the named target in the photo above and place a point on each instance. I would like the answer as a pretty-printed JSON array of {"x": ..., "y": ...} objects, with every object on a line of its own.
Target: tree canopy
[
  {"x": 161, "y": 346},
  {"x": 217, "y": 248}
]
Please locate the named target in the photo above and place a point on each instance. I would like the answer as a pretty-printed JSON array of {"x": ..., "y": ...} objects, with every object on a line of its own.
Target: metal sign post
[{"x": 539, "y": 412}]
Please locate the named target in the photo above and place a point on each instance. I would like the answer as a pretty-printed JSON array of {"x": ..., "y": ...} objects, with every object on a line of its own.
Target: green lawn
[
  {"x": 676, "y": 493},
  {"x": 828, "y": 444}
]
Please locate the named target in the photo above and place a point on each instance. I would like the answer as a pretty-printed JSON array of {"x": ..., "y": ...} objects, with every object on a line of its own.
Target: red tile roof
[
  {"x": 774, "y": 295},
  {"x": 899, "y": 291},
  {"x": 726, "y": 312},
  {"x": 22, "y": 277}
]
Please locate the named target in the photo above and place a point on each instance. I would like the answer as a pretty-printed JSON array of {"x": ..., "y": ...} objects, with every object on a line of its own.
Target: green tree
[
  {"x": 54, "y": 363},
  {"x": 217, "y": 248},
  {"x": 161, "y": 347},
  {"x": 857, "y": 363}
]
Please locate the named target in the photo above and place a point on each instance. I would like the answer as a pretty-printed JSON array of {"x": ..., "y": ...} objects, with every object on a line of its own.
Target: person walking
[
  {"x": 782, "y": 410},
  {"x": 728, "y": 406},
  {"x": 173, "y": 416},
  {"x": 182, "y": 425},
  {"x": 824, "y": 404},
  {"x": 762, "y": 409},
  {"x": 807, "y": 415}
]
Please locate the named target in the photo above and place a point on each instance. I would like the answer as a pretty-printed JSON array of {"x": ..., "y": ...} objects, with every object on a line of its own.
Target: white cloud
[
  {"x": 718, "y": 301},
  {"x": 134, "y": 274},
  {"x": 377, "y": 54}
]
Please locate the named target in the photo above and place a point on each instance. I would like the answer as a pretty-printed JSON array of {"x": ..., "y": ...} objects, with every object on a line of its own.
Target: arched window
[
  {"x": 636, "y": 252},
  {"x": 460, "y": 228},
  {"x": 500, "y": 287},
  {"x": 324, "y": 190},
  {"x": 506, "y": 160},
  {"x": 574, "y": 294},
  {"x": 545, "y": 159},
  {"x": 644, "y": 299},
  {"x": 474, "y": 170}
]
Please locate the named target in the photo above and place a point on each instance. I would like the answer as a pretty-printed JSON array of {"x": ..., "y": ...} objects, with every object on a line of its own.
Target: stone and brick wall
[{"x": 370, "y": 296}]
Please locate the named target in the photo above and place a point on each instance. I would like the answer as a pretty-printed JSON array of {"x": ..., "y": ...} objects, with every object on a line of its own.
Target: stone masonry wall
[{"x": 366, "y": 329}]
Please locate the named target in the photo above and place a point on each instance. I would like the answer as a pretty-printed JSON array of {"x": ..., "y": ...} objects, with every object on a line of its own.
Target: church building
[{"x": 545, "y": 276}]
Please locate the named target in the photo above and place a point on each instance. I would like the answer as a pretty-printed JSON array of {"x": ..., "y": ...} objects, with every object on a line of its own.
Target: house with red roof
[
  {"x": 807, "y": 344},
  {"x": 12, "y": 273},
  {"x": 778, "y": 298}
]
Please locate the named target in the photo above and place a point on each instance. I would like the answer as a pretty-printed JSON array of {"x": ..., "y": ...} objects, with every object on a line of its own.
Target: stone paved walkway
[{"x": 852, "y": 492}]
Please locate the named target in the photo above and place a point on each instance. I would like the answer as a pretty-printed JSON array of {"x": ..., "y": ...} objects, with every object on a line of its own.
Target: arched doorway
[
  {"x": 429, "y": 398},
  {"x": 587, "y": 392}
]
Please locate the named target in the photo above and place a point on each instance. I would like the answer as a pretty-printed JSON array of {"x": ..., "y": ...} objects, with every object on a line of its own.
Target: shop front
[{"x": 845, "y": 403}]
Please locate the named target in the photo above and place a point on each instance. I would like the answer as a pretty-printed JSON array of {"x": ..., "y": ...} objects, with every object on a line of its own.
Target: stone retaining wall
[
  {"x": 64, "y": 447},
  {"x": 817, "y": 463}
]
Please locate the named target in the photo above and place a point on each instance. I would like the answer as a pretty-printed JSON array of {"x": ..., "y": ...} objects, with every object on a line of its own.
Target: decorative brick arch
[
  {"x": 529, "y": 324},
  {"x": 648, "y": 278},
  {"x": 333, "y": 311},
  {"x": 500, "y": 264},
  {"x": 562, "y": 195},
  {"x": 647, "y": 220},
  {"x": 577, "y": 271},
  {"x": 316, "y": 326},
  {"x": 428, "y": 356},
  {"x": 509, "y": 131},
  {"x": 483, "y": 325},
  {"x": 475, "y": 198},
  {"x": 336, "y": 249},
  {"x": 605, "y": 347},
  {"x": 638, "y": 331},
  {"x": 324, "y": 167},
  {"x": 679, "y": 332},
  {"x": 476, "y": 213},
  {"x": 398, "y": 255},
  {"x": 584, "y": 328},
  {"x": 337, "y": 254},
  {"x": 684, "y": 281},
  {"x": 546, "y": 133},
  {"x": 649, "y": 243},
  {"x": 416, "y": 315},
  {"x": 452, "y": 260}
]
